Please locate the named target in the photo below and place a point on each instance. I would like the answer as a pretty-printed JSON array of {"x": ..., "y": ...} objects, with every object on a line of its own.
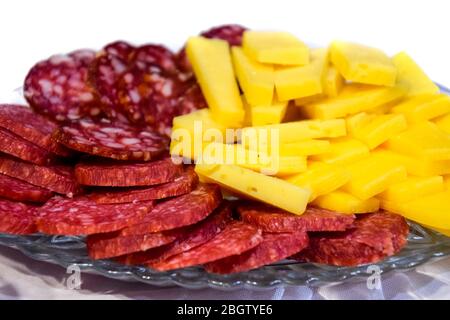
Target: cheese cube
[
  {"x": 258, "y": 186},
  {"x": 373, "y": 175},
  {"x": 344, "y": 202},
  {"x": 353, "y": 98},
  {"x": 413, "y": 188},
  {"x": 412, "y": 76},
  {"x": 343, "y": 151},
  {"x": 362, "y": 64},
  {"x": 321, "y": 178},
  {"x": 333, "y": 82},
  {"x": 308, "y": 100},
  {"x": 432, "y": 210},
  {"x": 256, "y": 80},
  {"x": 211, "y": 62},
  {"x": 423, "y": 107},
  {"x": 417, "y": 166},
  {"x": 424, "y": 140},
  {"x": 273, "y": 113},
  {"x": 374, "y": 130},
  {"x": 275, "y": 47},
  {"x": 304, "y": 81},
  {"x": 443, "y": 123},
  {"x": 293, "y": 131}
]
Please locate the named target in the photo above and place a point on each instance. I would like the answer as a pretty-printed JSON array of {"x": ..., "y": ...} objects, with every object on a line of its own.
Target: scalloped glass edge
[{"x": 423, "y": 245}]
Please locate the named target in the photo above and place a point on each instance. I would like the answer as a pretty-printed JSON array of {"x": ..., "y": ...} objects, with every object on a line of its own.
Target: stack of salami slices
[{"x": 90, "y": 158}]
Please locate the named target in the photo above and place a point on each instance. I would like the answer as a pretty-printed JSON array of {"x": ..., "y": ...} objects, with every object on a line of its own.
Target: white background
[{"x": 33, "y": 30}]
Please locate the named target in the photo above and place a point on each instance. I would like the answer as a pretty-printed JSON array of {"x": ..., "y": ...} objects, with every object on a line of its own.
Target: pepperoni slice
[
  {"x": 19, "y": 190},
  {"x": 109, "y": 245},
  {"x": 16, "y": 218},
  {"x": 179, "y": 212},
  {"x": 62, "y": 216},
  {"x": 114, "y": 174},
  {"x": 374, "y": 237},
  {"x": 271, "y": 219},
  {"x": 112, "y": 140},
  {"x": 59, "y": 88},
  {"x": 184, "y": 183},
  {"x": 273, "y": 248},
  {"x": 57, "y": 178},
  {"x": 31, "y": 126},
  {"x": 194, "y": 236},
  {"x": 235, "y": 239},
  {"x": 23, "y": 149}
]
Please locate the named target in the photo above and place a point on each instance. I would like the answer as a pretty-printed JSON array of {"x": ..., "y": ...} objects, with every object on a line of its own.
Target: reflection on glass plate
[{"x": 423, "y": 245}]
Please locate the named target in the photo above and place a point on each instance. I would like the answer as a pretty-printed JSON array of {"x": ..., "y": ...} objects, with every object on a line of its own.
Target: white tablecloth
[{"x": 24, "y": 278}]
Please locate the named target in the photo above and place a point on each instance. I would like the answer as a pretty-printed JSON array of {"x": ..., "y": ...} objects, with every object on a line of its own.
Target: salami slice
[
  {"x": 192, "y": 100},
  {"x": 271, "y": 219},
  {"x": 193, "y": 237},
  {"x": 179, "y": 212},
  {"x": 235, "y": 239},
  {"x": 115, "y": 141},
  {"x": 31, "y": 126},
  {"x": 23, "y": 149},
  {"x": 16, "y": 218},
  {"x": 19, "y": 190},
  {"x": 58, "y": 87},
  {"x": 273, "y": 248},
  {"x": 109, "y": 245},
  {"x": 374, "y": 237},
  {"x": 57, "y": 178},
  {"x": 182, "y": 184},
  {"x": 113, "y": 174},
  {"x": 62, "y": 216}
]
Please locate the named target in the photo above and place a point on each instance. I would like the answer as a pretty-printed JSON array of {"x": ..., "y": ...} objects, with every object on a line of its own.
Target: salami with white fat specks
[
  {"x": 182, "y": 184},
  {"x": 31, "y": 126},
  {"x": 23, "y": 149},
  {"x": 57, "y": 178},
  {"x": 237, "y": 238},
  {"x": 81, "y": 216},
  {"x": 18, "y": 190},
  {"x": 110, "y": 245},
  {"x": 111, "y": 140},
  {"x": 374, "y": 237},
  {"x": 16, "y": 218},
  {"x": 271, "y": 219},
  {"x": 273, "y": 248},
  {"x": 59, "y": 88},
  {"x": 113, "y": 174},
  {"x": 193, "y": 237},
  {"x": 179, "y": 212}
]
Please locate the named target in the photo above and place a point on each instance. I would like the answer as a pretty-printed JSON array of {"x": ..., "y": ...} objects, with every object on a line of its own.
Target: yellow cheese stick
[{"x": 344, "y": 202}]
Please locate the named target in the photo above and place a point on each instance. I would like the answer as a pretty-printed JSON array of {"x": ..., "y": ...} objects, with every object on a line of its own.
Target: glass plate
[{"x": 423, "y": 245}]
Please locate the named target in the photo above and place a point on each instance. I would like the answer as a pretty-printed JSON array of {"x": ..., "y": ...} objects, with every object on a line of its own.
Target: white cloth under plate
[{"x": 25, "y": 278}]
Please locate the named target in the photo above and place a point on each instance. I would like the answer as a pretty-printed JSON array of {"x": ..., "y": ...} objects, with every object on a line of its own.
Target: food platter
[{"x": 423, "y": 245}]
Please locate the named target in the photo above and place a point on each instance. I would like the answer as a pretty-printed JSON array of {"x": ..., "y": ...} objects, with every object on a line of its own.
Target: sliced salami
[
  {"x": 109, "y": 245},
  {"x": 192, "y": 100},
  {"x": 57, "y": 178},
  {"x": 374, "y": 237},
  {"x": 115, "y": 141},
  {"x": 16, "y": 218},
  {"x": 18, "y": 190},
  {"x": 58, "y": 87},
  {"x": 179, "y": 212},
  {"x": 62, "y": 216},
  {"x": 113, "y": 174},
  {"x": 193, "y": 237},
  {"x": 237, "y": 238},
  {"x": 31, "y": 126},
  {"x": 271, "y": 219},
  {"x": 184, "y": 183},
  {"x": 273, "y": 248}
]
